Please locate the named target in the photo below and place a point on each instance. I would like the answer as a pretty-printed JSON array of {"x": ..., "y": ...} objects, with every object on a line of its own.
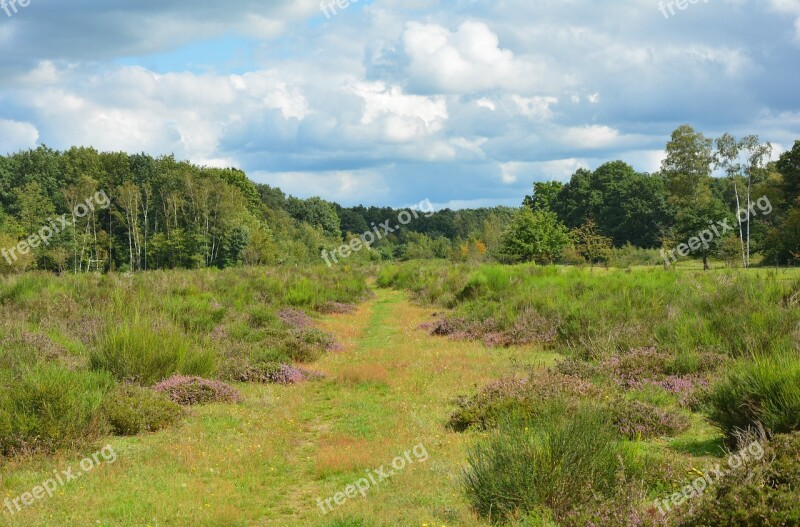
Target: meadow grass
[
  {"x": 266, "y": 460},
  {"x": 637, "y": 351}
]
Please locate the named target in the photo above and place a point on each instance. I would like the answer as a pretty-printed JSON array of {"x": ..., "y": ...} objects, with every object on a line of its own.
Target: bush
[
  {"x": 137, "y": 353},
  {"x": 130, "y": 410},
  {"x": 195, "y": 390},
  {"x": 762, "y": 391},
  {"x": 765, "y": 494},
  {"x": 524, "y": 398},
  {"x": 47, "y": 407},
  {"x": 275, "y": 373},
  {"x": 638, "y": 420},
  {"x": 561, "y": 464}
]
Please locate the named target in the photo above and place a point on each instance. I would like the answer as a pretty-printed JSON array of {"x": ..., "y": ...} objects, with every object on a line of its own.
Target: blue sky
[{"x": 463, "y": 102}]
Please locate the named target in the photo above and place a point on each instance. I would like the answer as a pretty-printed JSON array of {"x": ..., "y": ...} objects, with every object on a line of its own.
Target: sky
[{"x": 389, "y": 102}]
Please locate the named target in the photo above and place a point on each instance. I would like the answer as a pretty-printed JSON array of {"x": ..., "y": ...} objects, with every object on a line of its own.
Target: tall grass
[
  {"x": 47, "y": 407},
  {"x": 764, "y": 391},
  {"x": 558, "y": 464},
  {"x": 136, "y": 352},
  {"x": 595, "y": 313}
]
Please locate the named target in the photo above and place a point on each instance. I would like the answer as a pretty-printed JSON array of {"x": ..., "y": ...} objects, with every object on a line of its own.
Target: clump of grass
[
  {"x": 762, "y": 391},
  {"x": 130, "y": 410},
  {"x": 47, "y": 407},
  {"x": 140, "y": 353},
  {"x": 561, "y": 465},
  {"x": 188, "y": 391},
  {"x": 523, "y": 397}
]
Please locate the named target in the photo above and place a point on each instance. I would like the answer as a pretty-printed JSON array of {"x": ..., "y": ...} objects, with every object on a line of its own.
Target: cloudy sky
[{"x": 464, "y": 102}]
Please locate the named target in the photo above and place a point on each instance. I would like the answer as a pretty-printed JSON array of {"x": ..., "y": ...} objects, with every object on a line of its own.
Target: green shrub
[
  {"x": 560, "y": 464},
  {"x": 129, "y": 410},
  {"x": 47, "y": 407},
  {"x": 136, "y": 352},
  {"x": 518, "y": 397},
  {"x": 764, "y": 494},
  {"x": 765, "y": 391}
]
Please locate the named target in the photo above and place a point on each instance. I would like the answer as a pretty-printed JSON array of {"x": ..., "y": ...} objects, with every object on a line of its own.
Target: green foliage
[
  {"x": 544, "y": 194},
  {"x": 136, "y": 352},
  {"x": 534, "y": 236},
  {"x": 561, "y": 464},
  {"x": 46, "y": 407},
  {"x": 762, "y": 391},
  {"x": 131, "y": 410},
  {"x": 687, "y": 165},
  {"x": 764, "y": 493},
  {"x": 590, "y": 244},
  {"x": 600, "y": 314},
  {"x": 628, "y": 207}
]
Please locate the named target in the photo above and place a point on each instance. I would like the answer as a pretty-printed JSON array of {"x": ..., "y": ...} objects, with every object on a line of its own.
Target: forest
[{"x": 170, "y": 214}]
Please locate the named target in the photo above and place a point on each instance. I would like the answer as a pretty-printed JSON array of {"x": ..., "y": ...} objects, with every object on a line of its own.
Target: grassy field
[
  {"x": 390, "y": 386},
  {"x": 267, "y": 460}
]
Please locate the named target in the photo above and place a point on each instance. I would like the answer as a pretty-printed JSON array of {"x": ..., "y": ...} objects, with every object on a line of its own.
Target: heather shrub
[
  {"x": 46, "y": 407},
  {"x": 195, "y": 390},
  {"x": 764, "y": 494},
  {"x": 129, "y": 410},
  {"x": 276, "y": 373},
  {"x": 561, "y": 464},
  {"x": 260, "y": 316},
  {"x": 684, "y": 375},
  {"x": 308, "y": 345},
  {"x": 637, "y": 420},
  {"x": 139, "y": 353},
  {"x": 765, "y": 390},
  {"x": 524, "y": 397}
]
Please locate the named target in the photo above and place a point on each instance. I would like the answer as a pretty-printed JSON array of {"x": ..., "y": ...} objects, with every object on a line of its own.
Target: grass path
[{"x": 266, "y": 461}]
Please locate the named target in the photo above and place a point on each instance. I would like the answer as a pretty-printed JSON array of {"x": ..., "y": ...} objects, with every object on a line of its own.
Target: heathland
[{"x": 540, "y": 395}]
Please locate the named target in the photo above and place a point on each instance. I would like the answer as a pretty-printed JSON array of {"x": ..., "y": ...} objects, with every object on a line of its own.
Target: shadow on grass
[{"x": 712, "y": 446}]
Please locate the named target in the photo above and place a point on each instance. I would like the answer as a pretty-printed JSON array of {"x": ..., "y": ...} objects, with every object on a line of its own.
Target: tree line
[
  {"x": 166, "y": 213},
  {"x": 703, "y": 183}
]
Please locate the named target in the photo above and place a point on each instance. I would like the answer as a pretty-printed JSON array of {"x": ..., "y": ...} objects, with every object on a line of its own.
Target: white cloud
[
  {"x": 468, "y": 60},
  {"x": 486, "y": 103},
  {"x": 537, "y": 108},
  {"x": 473, "y": 145},
  {"x": 590, "y": 136},
  {"x": 134, "y": 109},
  {"x": 557, "y": 169},
  {"x": 15, "y": 136},
  {"x": 509, "y": 172},
  {"x": 400, "y": 117}
]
